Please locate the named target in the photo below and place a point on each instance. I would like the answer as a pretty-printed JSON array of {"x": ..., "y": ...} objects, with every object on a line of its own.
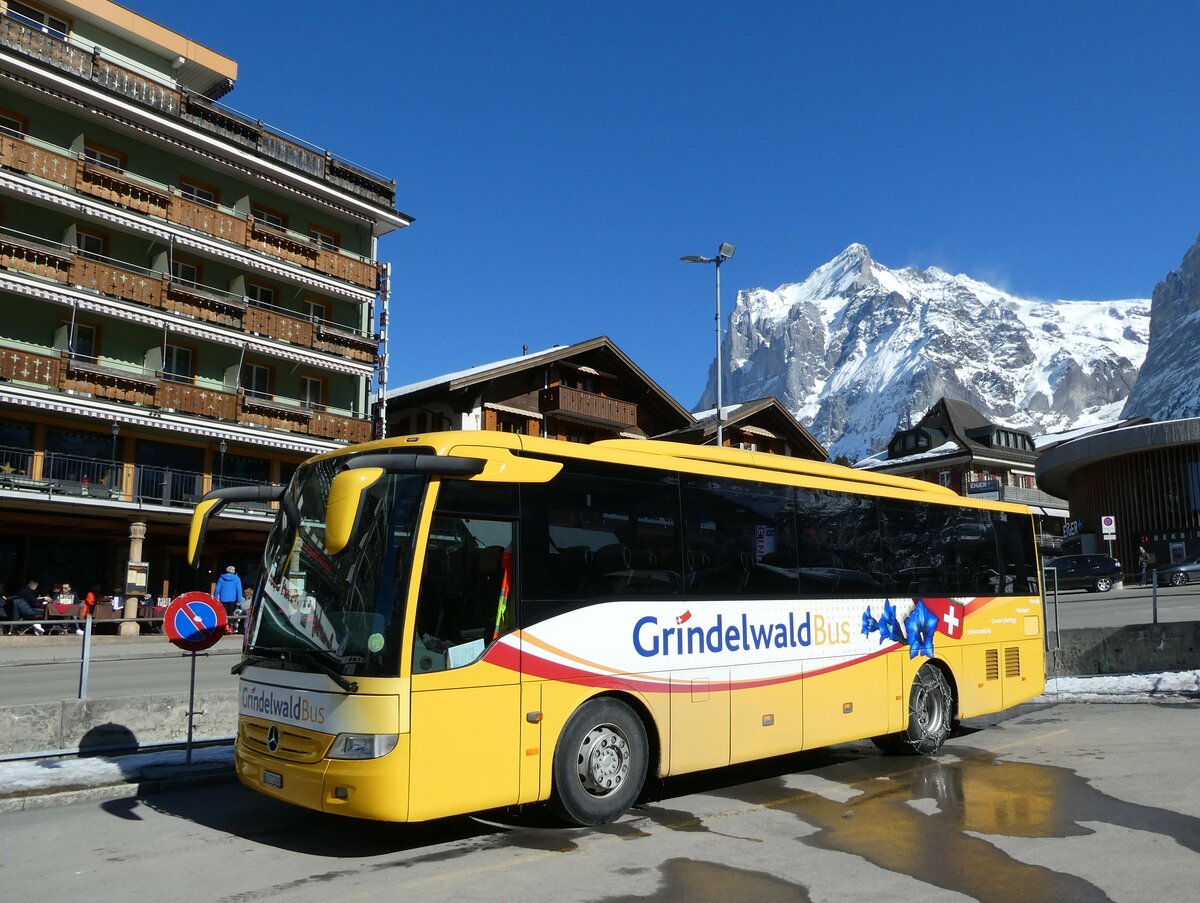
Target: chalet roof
[
  {"x": 766, "y": 413},
  {"x": 956, "y": 420},
  {"x": 616, "y": 361}
]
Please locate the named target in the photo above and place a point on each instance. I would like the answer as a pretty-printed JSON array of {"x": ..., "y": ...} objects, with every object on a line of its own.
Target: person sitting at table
[
  {"x": 67, "y": 601},
  {"x": 26, "y": 607}
]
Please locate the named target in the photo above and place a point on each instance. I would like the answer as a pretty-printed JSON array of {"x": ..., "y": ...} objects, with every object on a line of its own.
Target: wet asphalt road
[{"x": 1065, "y": 803}]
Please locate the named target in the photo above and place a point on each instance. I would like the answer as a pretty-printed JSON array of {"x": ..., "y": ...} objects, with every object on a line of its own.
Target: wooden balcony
[
  {"x": 27, "y": 367},
  {"x": 345, "y": 343},
  {"x": 315, "y": 421},
  {"x": 189, "y": 399},
  {"x": 266, "y": 238},
  {"x": 107, "y": 382},
  {"x": 337, "y": 426},
  {"x": 22, "y": 156},
  {"x": 194, "y": 301},
  {"x": 28, "y": 256},
  {"x": 278, "y": 325},
  {"x": 209, "y": 220},
  {"x": 122, "y": 189},
  {"x": 587, "y": 407},
  {"x": 267, "y": 412},
  {"x": 127, "y": 190},
  {"x": 348, "y": 268},
  {"x": 117, "y": 282}
]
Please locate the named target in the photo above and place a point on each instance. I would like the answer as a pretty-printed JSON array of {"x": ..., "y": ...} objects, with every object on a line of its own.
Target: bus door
[{"x": 466, "y": 713}]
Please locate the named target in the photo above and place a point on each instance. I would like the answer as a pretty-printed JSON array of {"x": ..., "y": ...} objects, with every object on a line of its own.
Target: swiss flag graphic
[{"x": 950, "y": 616}]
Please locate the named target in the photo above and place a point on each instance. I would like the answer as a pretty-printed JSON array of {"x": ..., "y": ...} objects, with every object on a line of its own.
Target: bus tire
[
  {"x": 600, "y": 763},
  {"x": 930, "y": 716}
]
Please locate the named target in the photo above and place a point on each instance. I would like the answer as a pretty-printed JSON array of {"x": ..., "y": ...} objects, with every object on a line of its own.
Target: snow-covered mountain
[
  {"x": 858, "y": 350},
  {"x": 1168, "y": 386}
]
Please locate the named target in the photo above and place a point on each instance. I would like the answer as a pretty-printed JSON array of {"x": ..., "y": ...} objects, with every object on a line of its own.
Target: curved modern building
[{"x": 1145, "y": 476}]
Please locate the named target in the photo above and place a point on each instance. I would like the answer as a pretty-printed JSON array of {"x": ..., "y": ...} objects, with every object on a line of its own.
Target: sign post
[
  {"x": 194, "y": 622},
  {"x": 1108, "y": 530}
]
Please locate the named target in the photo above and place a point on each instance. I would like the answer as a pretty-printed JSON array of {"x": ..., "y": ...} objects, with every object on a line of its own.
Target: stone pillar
[{"x": 137, "y": 535}]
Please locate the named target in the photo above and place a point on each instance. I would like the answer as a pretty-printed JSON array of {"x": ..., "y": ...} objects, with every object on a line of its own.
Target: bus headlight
[{"x": 362, "y": 746}]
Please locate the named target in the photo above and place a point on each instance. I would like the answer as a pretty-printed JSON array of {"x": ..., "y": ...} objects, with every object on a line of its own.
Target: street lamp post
[
  {"x": 724, "y": 252},
  {"x": 222, "y": 448}
]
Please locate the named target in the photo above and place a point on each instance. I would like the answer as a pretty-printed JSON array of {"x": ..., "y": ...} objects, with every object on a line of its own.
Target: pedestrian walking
[{"x": 229, "y": 590}]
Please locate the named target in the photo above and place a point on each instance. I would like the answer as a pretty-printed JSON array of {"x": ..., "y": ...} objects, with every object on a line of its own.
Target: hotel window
[
  {"x": 177, "y": 364},
  {"x": 261, "y": 294},
  {"x": 201, "y": 194},
  {"x": 944, "y": 478},
  {"x": 311, "y": 392},
  {"x": 39, "y": 19},
  {"x": 314, "y": 310},
  {"x": 269, "y": 217},
  {"x": 81, "y": 342},
  {"x": 89, "y": 244},
  {"x": 104, "y": 156},
  {"x": 256, "y": 380},
  {"x": 185, "y": 273},
  {"x": 324, "y": 238},
  {"x": 13, "y": 124}
]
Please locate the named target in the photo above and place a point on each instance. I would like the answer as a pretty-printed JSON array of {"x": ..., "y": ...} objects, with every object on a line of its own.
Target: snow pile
[
  {"x": 1172, "y": 686},
  {"x": 27, "y": 777}
]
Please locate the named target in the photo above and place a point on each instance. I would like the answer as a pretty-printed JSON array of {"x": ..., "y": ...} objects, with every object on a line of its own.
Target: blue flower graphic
[
  {"x": 921, "y": 624},
  {"x": 889, "y": 627},
  {"x": 869, "y": 624}
]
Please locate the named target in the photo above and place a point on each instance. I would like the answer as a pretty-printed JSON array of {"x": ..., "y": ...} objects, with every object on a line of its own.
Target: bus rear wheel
[
  {"x": 600, "y": 763},
  {"x": 930, "y": 716}
]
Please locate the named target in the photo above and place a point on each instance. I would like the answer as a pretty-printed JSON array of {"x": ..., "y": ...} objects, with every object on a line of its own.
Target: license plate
[{"x": 271, "y": 779}]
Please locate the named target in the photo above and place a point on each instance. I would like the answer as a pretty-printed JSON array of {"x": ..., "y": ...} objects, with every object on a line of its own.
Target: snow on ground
[
  {"x": 42, "y": 775},
  {"x": 1171, "y": 686}
]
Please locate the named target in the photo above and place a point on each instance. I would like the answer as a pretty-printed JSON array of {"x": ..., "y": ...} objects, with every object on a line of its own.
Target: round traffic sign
[{"x": 194, "y": 621}]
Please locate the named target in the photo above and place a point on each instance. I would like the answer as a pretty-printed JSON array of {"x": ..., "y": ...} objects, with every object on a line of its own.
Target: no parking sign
[{"x": 194, "y": 621}]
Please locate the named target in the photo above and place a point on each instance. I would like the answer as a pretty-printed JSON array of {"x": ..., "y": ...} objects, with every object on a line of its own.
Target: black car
[
  {"x": 1095, "y": 573},
  {"x": 1180, "y": 574}
]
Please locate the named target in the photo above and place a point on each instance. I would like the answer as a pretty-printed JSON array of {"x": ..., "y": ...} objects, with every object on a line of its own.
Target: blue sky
[{"x": 559, "y": 157}]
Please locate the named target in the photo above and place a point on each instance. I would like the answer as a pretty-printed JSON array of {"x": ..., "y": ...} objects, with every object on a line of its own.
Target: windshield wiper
[{"x": 309, "y": 656}]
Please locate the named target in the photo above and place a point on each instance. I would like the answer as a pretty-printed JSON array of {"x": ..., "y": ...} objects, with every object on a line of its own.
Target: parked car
[
  {"x": 1095, "y": 573},
  {"x": 1180, "y": 574}
]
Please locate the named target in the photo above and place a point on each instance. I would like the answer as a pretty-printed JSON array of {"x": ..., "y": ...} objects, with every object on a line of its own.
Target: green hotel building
[{"x": 189, "y": 299}]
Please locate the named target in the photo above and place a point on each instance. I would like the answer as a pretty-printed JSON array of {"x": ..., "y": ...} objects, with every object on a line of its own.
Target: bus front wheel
[
  {"x": 930, "y": 716},
  {"x": 600, "y": 763}
]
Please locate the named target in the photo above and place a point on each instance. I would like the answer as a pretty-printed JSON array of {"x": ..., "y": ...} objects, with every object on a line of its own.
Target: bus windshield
[{"x": 343, "y": 613}]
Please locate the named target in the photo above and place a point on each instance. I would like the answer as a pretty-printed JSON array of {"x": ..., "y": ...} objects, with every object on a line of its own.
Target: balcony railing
[
  {"x": 88, "y": 62},
  {"x": 148, "y": 389},
  {"x": 130, "y": 191},
  {"x": 118, "y": 279},
  {"x": 587, "y": 406},
  {"x": 60, "y": 474},
  {"x": 71, "y": 475}
]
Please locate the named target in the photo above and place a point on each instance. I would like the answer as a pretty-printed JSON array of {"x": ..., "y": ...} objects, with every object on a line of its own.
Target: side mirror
[
  {"x": 344, "y": 505},
  {"x": 213, "y": 502}
]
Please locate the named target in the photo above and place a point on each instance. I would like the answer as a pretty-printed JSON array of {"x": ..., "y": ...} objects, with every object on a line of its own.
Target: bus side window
[{"x": 465, "y": 589}]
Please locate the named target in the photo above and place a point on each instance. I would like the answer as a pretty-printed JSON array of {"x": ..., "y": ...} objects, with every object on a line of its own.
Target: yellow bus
[{"x": 460, "y": 621}]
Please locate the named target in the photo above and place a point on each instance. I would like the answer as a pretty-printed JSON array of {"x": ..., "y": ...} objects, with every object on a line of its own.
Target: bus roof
[{"x": 627, "y": 451}]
